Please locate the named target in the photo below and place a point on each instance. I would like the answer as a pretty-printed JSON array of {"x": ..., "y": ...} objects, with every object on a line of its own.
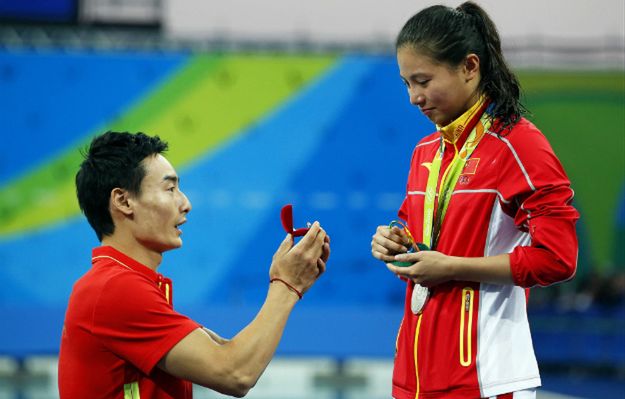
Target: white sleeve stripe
[
  {"x": 572, "y": 196},
  {"x": 527, "y": 177},
  {"x": 483, "y": 190},
  {"x": 427, "y": 142}
]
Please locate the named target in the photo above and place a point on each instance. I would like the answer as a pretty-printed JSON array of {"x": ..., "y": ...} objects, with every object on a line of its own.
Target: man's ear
[
  {"x": 471, "y": 67},
  {"x": 120, "y": 201}
]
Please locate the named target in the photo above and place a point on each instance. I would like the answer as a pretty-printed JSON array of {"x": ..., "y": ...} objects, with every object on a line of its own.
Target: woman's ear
[
  {"x": 120, "y": 201},
  {"x": 471, "y": 67}
]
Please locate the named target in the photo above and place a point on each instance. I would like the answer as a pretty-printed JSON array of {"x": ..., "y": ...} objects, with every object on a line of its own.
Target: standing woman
[{"x": 487, "y": 194}]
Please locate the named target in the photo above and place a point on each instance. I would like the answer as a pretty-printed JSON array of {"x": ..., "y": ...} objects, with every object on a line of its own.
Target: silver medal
[{"x": 420, "y": 295}]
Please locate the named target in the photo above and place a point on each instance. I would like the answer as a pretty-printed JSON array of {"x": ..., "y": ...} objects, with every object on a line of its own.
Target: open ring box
[{"x": 286, "y": 215}]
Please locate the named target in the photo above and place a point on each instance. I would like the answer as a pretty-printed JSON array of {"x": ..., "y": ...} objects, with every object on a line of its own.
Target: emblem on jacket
[{"x": 470, "y": 167}]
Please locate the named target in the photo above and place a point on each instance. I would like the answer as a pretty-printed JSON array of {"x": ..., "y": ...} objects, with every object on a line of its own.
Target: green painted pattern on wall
[
  {"x": 211, "y": 100},
  {"x": 240, "y": 91},
  {"x": 583, "y": 116}
]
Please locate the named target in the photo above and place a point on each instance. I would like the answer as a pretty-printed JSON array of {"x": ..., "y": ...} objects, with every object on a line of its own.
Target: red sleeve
[
  {"x": 403, "y": 209},
  {"x": 533, "y": 179},
  {"x": 133, "y": 320}
]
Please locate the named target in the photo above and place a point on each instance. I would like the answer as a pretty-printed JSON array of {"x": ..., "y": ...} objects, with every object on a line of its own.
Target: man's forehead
[{"x": 159, "y": 169}]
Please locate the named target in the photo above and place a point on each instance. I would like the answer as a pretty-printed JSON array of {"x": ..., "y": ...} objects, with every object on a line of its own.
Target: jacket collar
[
  {"x": 457, "y": 131},
  {"x": 107, "y": 252}
]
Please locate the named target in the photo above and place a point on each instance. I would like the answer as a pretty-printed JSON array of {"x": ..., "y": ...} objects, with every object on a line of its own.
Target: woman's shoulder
[
  {"x": 524, "y": 125},
  {"x": 432, "y": 139},
  {"x": 425, "y": 147},
  {"x": 523, "y": 138},
  {"x": 522, "y": 131}
]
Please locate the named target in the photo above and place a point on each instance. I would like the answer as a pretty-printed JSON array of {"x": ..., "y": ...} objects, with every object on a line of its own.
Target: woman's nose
[{"x": 416, "y": 98}]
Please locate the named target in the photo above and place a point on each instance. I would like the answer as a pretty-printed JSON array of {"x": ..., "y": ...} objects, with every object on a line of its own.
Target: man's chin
[
  {"x": 175, "y": 245},
  {"x": 169, "y": 246}
]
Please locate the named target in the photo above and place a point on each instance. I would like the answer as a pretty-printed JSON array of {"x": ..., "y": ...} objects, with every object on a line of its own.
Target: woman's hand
[
  {"x": 388, "y": 242},
  {"x": 428, "y": 268}
]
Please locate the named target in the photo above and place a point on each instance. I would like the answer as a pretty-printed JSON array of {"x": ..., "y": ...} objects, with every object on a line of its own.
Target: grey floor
[{"x": 285, "y": 378}]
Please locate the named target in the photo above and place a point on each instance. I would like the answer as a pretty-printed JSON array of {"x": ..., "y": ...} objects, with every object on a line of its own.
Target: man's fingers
[
  {"x": 309, "y": 238},
  {"x": 315, "y": 247},
  {"x": 321, "y": 266},
  {"x": 325, "y": 254},
  {"x": 321, "y": 237},
  {"x": 285, "y": 245}
]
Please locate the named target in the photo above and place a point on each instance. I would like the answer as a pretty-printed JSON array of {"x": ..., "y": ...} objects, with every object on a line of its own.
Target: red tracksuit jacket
[{"x": 473, "y": 339}]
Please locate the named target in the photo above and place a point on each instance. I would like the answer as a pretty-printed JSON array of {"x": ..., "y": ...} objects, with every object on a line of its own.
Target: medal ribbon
[{"x": 432, "y": 223}]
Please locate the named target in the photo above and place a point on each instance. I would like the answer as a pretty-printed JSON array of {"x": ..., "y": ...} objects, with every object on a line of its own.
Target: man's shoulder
[{"x": 109, "y": 277}]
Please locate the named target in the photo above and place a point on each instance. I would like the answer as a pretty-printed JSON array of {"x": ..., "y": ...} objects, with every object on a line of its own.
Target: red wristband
[{"x": 299, "y": 294}]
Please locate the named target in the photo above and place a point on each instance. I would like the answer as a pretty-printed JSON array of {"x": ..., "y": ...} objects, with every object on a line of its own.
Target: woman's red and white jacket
[{"x": 473, "y": 339}]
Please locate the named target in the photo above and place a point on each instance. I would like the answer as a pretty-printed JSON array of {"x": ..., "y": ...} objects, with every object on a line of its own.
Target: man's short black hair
[{"x": 113, "y": 160}]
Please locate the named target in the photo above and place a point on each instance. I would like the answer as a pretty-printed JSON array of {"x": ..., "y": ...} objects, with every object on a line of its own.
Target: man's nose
[{"x": 186, "y": 204}]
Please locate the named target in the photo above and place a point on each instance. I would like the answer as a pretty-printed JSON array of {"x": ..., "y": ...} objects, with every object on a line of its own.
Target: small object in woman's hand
[{"x": 414, "y": 247}]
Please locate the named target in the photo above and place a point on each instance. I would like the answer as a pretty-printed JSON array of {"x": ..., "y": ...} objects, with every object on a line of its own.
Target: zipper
[
  {"x": 165, "y": 290},
  {"x": 397, "y": 337},
  {"x": 416, "y": 346},
  {"x": 466, "y": 326}
]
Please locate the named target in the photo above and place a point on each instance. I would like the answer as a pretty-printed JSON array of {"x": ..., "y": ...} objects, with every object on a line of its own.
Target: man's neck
[{"x": 130, "y": 247}]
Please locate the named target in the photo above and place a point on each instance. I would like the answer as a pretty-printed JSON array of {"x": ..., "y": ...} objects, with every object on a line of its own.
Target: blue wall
[{"x": 338, "y": 150}]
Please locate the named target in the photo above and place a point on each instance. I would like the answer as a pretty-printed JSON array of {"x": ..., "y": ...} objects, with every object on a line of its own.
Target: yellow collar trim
[{"x": 454, "y": 130}]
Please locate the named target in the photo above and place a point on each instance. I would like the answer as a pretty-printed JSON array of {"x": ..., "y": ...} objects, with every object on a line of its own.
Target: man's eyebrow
[{"x": 172, "y": 178}]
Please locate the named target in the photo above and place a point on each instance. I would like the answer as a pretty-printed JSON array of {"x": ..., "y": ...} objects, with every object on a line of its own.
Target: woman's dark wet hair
[
  {"x": 113, "y": 160},
  {"x": 448, "y": 35}
]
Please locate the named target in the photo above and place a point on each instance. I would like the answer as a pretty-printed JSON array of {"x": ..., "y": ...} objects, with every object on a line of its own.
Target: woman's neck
[{"x": 454, "y": 130}]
